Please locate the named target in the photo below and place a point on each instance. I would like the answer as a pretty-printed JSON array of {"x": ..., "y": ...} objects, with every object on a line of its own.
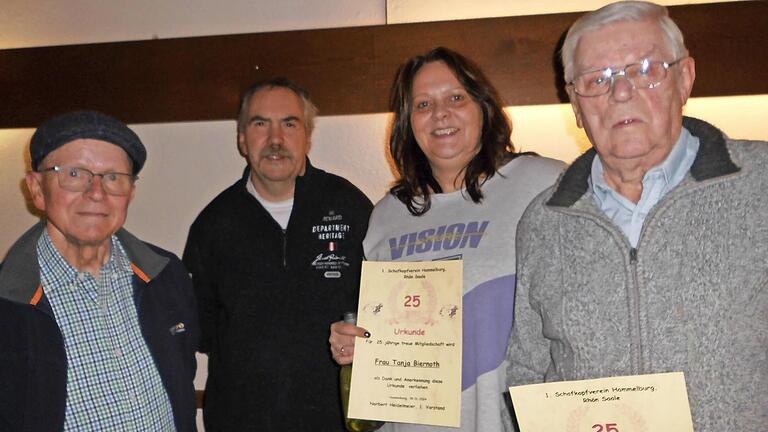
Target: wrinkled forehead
[{"x": 621, "y": 43}]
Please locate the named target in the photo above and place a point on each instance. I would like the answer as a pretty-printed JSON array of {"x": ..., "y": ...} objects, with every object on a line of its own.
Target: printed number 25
[
  {"x": 412, "y": 301},
  {"x": 608, "y": 427}
]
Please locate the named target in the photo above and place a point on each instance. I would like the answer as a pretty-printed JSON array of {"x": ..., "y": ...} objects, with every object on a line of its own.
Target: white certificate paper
[
  {"x": 639, "y": 403},
  {"x": 409, "y": 370}
]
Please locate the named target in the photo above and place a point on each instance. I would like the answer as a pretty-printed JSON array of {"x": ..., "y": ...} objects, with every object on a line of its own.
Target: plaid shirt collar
[{"x": 56, "y": 272}]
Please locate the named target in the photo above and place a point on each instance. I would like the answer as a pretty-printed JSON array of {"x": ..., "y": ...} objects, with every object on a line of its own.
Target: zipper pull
[
  {"x": 633, "y": 255},
  {"x": 285, "y": 246}
]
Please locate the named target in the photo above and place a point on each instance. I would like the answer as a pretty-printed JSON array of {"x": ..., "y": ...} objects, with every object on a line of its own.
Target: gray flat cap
[{"x": 59, "y": 130}]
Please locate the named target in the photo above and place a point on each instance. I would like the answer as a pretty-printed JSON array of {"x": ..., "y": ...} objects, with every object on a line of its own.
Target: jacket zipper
[
  {"x": 636, "y": 293},
  {"x": 285, "y": 246},
  {"x": 637, "y": 362}
]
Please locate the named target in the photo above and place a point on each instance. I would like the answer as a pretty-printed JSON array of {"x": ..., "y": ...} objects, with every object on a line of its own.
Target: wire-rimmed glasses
[
  {"x": 76, "y": 179},
  {"x": 645, "y": 74}
]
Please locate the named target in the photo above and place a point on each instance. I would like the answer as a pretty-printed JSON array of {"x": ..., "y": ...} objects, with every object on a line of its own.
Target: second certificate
[{"x": 409, "y": 370}]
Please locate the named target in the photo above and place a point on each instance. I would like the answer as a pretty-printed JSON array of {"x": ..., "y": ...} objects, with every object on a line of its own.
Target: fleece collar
[
  {"x": 20, "y": 272},
  {"x": 712, "y": 160}
]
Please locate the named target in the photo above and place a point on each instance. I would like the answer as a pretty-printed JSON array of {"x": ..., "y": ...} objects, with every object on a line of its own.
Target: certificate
[
  {"x": 640, "y": 403},
  {"x": 409, "y": 370}
]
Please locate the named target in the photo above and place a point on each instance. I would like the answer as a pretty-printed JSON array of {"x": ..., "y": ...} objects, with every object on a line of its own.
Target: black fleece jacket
[{"x": 267, "y": 297}]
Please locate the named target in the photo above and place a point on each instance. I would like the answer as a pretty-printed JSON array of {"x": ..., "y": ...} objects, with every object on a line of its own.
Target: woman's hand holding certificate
[{"x": 409, "y": 370}]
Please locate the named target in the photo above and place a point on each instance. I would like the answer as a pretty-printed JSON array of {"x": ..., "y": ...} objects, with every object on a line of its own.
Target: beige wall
[
  {"x": 189, "y": 163},
  {"x": 27, "y": 23},
  {"x": 402, "y": 11}
]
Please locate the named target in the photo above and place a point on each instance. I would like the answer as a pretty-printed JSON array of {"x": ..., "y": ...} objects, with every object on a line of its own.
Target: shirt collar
[
  {"x": 52, "y": 263},
  {"x": 264, "y": 202}
]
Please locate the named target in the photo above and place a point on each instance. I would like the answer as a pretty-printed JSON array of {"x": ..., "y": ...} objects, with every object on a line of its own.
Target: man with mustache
[
  {"x": 275, "y": 259},
  {"x": 649, "y": 254}
]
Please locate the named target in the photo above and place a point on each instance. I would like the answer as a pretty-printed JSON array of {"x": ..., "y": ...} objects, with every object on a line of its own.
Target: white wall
[{"x": 186, "y": 174}]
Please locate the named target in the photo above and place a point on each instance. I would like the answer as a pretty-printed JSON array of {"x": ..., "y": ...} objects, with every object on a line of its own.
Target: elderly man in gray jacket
[{"x": 650, "y": 254}]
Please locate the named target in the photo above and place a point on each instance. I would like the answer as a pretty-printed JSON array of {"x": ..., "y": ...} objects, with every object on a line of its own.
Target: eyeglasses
[
  {"x": 645, "y": 74},
  {"x": 76, "y": 179}
]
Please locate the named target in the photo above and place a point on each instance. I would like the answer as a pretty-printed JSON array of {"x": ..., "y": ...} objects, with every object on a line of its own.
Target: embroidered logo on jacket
[
  {"x": 330, "y": 260},
  {"x": 332, "y": 227}
]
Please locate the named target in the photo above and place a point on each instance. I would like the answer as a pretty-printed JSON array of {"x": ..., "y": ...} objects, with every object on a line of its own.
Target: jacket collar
[
  {"x": 20, "y": 272},
  {"x": 309, "y": 171},
  {"x": 146, "y": 263},
  {"x": 712, "y": 160}
]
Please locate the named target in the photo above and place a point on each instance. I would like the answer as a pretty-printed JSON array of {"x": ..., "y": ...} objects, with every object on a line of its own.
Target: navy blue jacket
[
  {"x": 164, "y": 298},
  {"x": 33, "y": 370}
]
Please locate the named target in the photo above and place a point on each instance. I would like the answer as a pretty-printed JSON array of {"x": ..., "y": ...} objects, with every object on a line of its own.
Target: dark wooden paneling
[
  {"x": 347, "y": 70},
  {"x": 730, "y": 44}
]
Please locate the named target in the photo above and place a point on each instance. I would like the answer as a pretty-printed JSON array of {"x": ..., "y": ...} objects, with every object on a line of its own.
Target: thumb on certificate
[
  {"x": 342, "y": 341},
  {"x": 342, "y": 329}
]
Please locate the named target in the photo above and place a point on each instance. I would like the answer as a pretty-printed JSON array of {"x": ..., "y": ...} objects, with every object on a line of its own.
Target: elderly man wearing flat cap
[{"x": 102, "y": 327}]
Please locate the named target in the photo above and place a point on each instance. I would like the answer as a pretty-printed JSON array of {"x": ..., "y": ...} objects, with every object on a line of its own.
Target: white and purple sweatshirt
[{"x": 483, "y": 235}]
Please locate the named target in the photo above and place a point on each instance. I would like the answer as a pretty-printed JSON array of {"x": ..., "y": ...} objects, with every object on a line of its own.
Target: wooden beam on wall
[{"x": 347, "y": 70}]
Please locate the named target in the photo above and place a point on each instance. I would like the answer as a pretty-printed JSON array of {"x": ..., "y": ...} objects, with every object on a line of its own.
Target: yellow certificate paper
[
  {"x": 640, "y": 403},
  {"x": 409, "y": 370}
]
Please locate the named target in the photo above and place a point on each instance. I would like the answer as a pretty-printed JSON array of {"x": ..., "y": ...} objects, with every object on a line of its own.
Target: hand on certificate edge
[{"x": 342, "y": 341}]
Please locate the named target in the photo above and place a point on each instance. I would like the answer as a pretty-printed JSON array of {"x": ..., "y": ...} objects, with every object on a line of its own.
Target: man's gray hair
[
  {"x": 310, "y": 110},
  {"x": 617, "y": 12}
]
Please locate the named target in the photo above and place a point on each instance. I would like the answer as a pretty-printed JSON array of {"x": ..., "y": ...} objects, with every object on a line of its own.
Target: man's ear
[
  {"x": 241, "y": 147},
  {"x": 133, "y": 193},
  {"x": 573, "y": 97},
  {"x": 35, "y": 186},
  {"x": 687, "y": 75}
]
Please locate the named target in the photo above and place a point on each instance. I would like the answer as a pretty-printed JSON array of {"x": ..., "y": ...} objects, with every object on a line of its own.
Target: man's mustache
[{"x": 272, "y": 152}]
